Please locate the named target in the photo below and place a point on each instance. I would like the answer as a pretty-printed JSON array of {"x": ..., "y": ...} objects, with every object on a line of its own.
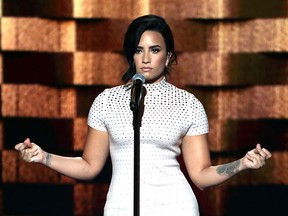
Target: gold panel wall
[{"x": 57, "y": 55}]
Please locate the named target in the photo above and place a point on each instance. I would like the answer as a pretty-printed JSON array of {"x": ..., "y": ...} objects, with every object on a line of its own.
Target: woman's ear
[{"x": 169, "y": 54}]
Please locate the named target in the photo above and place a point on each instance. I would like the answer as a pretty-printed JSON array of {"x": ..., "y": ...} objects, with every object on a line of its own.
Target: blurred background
[{"x": 58, "y": 55}]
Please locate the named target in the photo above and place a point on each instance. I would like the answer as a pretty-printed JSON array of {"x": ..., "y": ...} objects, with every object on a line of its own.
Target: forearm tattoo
[
  {"x": 229, "y": 169},
  {"x": 48, "y": 159}
]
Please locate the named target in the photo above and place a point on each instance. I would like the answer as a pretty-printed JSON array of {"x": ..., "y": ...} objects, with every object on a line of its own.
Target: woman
[{"x": 173, "y": 122}]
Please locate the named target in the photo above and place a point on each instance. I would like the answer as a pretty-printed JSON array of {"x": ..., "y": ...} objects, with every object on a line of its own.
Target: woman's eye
[
  {"x": 138, "y": 51},
  {"x": 155, "y": 50}
]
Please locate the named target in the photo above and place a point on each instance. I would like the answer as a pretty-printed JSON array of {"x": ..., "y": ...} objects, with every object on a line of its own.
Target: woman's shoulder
[
  {"x": 115, "y": 89},
  {"x": 113, "y": 93},
  {"x": 183, "y": 92}
]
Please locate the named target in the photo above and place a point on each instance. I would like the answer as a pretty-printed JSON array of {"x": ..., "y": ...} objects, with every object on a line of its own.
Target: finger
[
  {"x": 261, "y": 153},
  {"x": 27, "y": 156},
  {"x": 250, "y": 157},
  {"x": 34, "y": 158},
  {"x": 264, "y": 153},
  {"x": 18, "y": 146},
  {"x": 258, "y": 147},
  {"x": 34, "y": 151},
  {"x": 255, "y": 159},
  {"x": 22, "y": 153},
  {"x": 28, "y": 143},
  {"x": 254, "y": 151},
  {"x": 268, "y": 154},
  {"x": 260, "y": 160},
  {"x": 22, "y": 147}
]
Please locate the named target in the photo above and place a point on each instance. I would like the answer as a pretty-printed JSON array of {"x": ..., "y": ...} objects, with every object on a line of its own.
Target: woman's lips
[{"x": 146, "y": 69}]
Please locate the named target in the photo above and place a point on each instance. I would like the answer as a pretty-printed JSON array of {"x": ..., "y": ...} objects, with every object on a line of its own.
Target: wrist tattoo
[
  {"x": 229, "y": 169},
  {"x": 48, "y": 159}
]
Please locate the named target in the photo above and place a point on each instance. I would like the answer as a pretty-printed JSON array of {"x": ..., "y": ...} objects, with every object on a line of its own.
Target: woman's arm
[
  {"x": 86, "y": 167},
  {"x": 197, "y": 160}
]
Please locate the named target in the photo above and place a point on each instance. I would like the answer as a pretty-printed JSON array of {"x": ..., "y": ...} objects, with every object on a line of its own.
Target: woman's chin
[{"x": 150, "y": 79}]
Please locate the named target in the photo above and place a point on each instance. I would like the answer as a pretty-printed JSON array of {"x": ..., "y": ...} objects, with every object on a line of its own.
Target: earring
[{"x": 168, "y": 58}]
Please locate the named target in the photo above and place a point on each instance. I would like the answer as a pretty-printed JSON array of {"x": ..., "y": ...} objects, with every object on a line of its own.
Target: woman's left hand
[{"x": 256, "y": 158}]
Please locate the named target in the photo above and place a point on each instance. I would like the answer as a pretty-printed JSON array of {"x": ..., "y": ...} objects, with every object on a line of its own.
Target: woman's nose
[{"x": 146, "y": 58}]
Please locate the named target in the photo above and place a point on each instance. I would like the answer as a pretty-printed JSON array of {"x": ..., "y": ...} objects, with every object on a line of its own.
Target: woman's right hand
[{"x": 31, "y": 152}]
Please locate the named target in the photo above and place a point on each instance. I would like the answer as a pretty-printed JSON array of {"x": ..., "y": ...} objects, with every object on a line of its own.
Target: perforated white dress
[{"x": 169, "y": 114}]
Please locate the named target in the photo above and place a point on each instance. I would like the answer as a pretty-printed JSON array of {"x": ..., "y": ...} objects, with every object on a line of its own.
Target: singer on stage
[{"x": 173, "y": 122}]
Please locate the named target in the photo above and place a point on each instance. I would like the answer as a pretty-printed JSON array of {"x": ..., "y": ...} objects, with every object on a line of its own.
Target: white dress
[{"x": 169, "y": 114}]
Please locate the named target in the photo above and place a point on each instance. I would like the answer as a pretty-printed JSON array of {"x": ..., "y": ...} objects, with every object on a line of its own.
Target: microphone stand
[
  {"x": 137, "y": 107},
  {"x": 136, "y": 126}
]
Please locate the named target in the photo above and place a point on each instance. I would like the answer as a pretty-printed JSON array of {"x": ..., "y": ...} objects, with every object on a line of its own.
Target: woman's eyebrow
[
  {"x": 151, "y": 47},
  {"x": 155, "y": 46}
]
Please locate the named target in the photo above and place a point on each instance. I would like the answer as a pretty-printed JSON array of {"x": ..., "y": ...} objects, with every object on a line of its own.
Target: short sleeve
[
  {"x": 199, "y": 118},
  {"x": 96, "y": 116}
]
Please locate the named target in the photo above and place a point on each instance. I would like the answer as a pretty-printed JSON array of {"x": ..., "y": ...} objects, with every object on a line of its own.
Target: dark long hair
[{"x": 133, "y": 35}]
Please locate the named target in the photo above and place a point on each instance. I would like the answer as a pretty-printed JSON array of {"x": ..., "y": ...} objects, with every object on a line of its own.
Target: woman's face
[{"x": 151, "y": 56}]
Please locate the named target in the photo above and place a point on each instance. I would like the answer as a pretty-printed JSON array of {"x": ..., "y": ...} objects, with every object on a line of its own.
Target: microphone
[{"x": 136, "y": 91}]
